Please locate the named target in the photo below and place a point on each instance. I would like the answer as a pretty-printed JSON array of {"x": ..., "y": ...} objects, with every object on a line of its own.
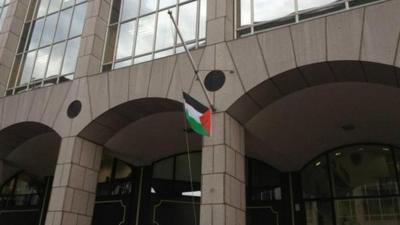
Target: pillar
[
  {"x": 10, "y": 34},
  {"x": 74, "y": 186},
  {"x": 223, "y": 199},
  {"x": 93, "y": 38},
  {"x": 220, "y": 21}
]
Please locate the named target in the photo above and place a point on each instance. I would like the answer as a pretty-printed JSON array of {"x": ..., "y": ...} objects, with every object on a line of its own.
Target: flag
[{"x": 197, "y": 115}]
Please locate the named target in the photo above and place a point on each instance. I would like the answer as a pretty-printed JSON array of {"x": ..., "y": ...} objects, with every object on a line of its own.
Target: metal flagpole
[{"x": 195, "y": 69}]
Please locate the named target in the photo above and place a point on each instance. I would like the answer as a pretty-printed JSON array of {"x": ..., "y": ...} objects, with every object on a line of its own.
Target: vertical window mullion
[
  {"x": 197, "y": 35},
  {"x": 136, "y": 33},
  {"x": 119, "y": 23},
  {"x": 252, "y": 16},
  {"x": 296, "y": 10},
  {"x": 177, "y": 23},
  {"x": 155, "y": 30}
]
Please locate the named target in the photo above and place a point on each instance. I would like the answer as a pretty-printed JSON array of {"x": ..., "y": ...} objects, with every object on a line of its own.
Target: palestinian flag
[{"x": 197, "y": 115}]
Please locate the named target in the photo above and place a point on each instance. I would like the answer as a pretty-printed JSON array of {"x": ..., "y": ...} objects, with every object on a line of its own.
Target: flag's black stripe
[{"x": 194, "y": 103}]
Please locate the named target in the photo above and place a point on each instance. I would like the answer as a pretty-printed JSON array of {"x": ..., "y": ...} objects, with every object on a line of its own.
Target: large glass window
[
  {"x": 49, "y": 45},
  {"x": 353, "y": 185},
  {"x": 141, "y": 30},
  {"x": 255, "y": 15},
  {"x": 4, "y": 5}
]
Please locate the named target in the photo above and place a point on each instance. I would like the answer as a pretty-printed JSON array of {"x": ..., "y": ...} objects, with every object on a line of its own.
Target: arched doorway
[{"x": 28, "y": 154}]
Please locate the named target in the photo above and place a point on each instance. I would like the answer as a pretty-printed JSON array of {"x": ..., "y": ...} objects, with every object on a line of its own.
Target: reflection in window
[
  {"x": 4, "y": 5},
  {"x": 145, "y": 31},
  {"x": 256, "y": 15},
  {"x": 363, "y": 183},
  {"x": 49, "y": 44}
]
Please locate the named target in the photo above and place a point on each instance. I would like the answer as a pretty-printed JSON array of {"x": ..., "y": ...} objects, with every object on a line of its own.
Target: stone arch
[
  {"x": 309, "y": 108},
  {"x": 29, "y": 146}
]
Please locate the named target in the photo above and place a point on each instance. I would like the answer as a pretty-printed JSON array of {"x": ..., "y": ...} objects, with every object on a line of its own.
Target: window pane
[
  {"x": 148, "y": 6},
  {"x": 54, "y": 5},
  {"x": 143, "y": 59},
  {"x": 245, "y": 12},
  {"x": 63, "y": 25},
  {"x": 27, "y": 185},
  {"x": 130, "y": 9},
  {"x": 8, "y": 187},
  {"x": 42, "y": 8},
  {"x": 187, "y": 21},
  {"x": 56, "y": 58},
  {"x": 272, "y": 9},
  {"x": 164, "y": 169},
  {"x": 318, "y": 213},
  {"x": 105, "y": 169},
  {"x": 37, "y": 32},
  {"x": 123, "y": 64},
  {"x": 368, "y": 211},
  {"x": 67, "y": 3},
  {"x": 203, "y": 19},
  {"x": 165, "y": 30},
  {"x": 145, "y": 36},
  {"x": 122, "y": 170},
  {"x": 315, "y": 179},
  {"x": 41, "y": 63},
  {"x": 167, "y": 3},
  {"x": 28, "y": 67},
  {"x": 309, "y": 4},
  {"x": 3, "y": 16},
  {"x": 363, "y": 171},
  {"x": 49, "y": 29},
  {"x": 78, "y": 20},
  {"x": 126, "y": 39},
  {"x": 71, "y": 56},
  {"x": 182, "y": 167}
]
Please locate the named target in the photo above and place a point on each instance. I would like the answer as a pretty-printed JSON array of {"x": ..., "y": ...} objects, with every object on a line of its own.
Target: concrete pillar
[
  {"x": 10, "y": 34},
  {"x": 223, "y": 199},
  {"x": 93, "y": 38},
  {"x": 220, "y": 21},
  {"x": 74, "y": 186}
]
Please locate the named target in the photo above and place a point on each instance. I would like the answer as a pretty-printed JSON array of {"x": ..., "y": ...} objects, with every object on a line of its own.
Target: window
[
  {"x": 353, "y": 185},
  {"x": 141, "y": 30},
  {"x": 256, "y": 15},
  {"x": 49, "y": 45},
  {"x": 4, "y": 5}
]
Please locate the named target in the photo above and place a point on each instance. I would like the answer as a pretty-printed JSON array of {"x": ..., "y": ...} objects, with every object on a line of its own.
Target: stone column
[
  {"x": 74, "y": 187},
  {"x": 10, "y": 34},
  {"x": 223, "y": 199},
  {"x": 220, "y": 21},
  {"x": 93, "y": 38}
]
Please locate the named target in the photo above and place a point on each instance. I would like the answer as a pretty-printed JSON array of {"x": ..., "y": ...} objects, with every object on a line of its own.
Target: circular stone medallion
[
  {"x": 214, "y": 80},
  {"x": 74, "y": 109}
]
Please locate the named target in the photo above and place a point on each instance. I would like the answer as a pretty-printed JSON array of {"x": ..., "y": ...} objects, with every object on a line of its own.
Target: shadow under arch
[
  {"x": 142, "y": 131},
  {"x": 294, "y": 116},
  {"x": 29, "y": 146}
]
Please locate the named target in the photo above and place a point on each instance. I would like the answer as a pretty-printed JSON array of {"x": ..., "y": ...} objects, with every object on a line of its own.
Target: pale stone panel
[
  {"x": 53, "y": 103},
  {"x": 233, "y": 87},
  {"x": 207, "y": 64},
  {"x": 24, "y": 106},
  {"x": 309, "y": 40},
  {"x": 10, "y": 108},
  {"x": 139, "y": 80},
  {"x": 119, "y": 86},
  {"x": 73, "y": 194},
  {"x": 62, "y": 123},
  {"x": 161, "y": 75},
  {"x": 344, "y": 35},
  {"x": 85, "y": 116},
  {"x": 277, "y": 49},
  {"x": 184, "y": 75},
  {"x": 99, "y": 94},
  {"x": 381, "y": 32},
  {"x": 39, "y": 103},
  {"x": 249, "y": 62}
]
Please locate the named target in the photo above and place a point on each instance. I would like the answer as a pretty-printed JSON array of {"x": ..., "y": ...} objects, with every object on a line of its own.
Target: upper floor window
[
  {"x": 257, "y": 15},
  {"x": 141, "y": 30},
  {"x": 49, "y": 45},
  {"x": 4, "y": 5}
]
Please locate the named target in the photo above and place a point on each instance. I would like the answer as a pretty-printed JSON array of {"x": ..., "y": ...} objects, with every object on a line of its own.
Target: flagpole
[{"x": 195, "y": 69}]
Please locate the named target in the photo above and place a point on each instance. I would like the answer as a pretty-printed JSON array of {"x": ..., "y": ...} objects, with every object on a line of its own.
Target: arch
[
  {"x": 287, "y": 116},
  {"x": 160, "y": 120},
  {"x": 28, "y": 146}
]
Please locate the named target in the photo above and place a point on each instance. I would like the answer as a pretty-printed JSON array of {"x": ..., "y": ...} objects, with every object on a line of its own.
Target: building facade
[{"x": 304, "y": 124}]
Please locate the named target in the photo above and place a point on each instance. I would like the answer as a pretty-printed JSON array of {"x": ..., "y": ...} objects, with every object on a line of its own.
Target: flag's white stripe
[{"x": 193, "y": 112}]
